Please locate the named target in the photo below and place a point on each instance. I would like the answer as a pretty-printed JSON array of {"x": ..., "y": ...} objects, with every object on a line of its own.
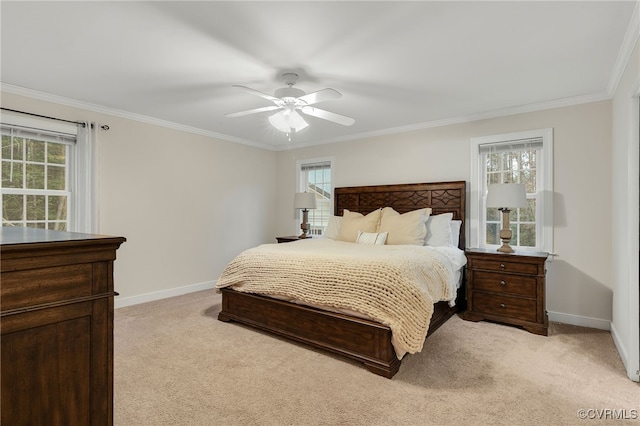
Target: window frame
[
  {"x": 477, "y": 196},
  {"x": 301, "y": 186},
  {"x": 27, "y": 192},
  {"x": 80, "y": 171}
]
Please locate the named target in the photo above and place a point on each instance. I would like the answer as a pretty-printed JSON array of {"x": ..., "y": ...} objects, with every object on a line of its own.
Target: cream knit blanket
[{"x": 394, "y": 285}]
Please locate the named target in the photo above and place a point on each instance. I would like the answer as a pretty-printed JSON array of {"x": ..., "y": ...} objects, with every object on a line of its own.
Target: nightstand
[
  {"x": 508, "y": 288},
  {"x": 289, "y": 239}
]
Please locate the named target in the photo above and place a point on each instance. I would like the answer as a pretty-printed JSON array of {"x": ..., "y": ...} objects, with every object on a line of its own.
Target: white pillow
[
  {"x": 377, "y": 238},
  {"x": 455, "y": 232},
  {"x": 333, "y": 227},
  {"x": 439, "y": 230},
  {"x": 353, "y": 222},
  {"x": 407, "y": 228}
]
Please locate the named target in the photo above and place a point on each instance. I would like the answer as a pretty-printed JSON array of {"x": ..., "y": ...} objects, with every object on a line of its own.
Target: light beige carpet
[{"x": 176, "y": 364}]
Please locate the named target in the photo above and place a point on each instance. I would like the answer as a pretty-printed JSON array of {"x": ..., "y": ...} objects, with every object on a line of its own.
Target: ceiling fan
[{"x": 291, "y": 102}]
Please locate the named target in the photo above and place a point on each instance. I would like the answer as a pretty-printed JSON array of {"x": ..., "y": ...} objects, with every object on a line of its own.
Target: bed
[{"x": 353, "y": 336}]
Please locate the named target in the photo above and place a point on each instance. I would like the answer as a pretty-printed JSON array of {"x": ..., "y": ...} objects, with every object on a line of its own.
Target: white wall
[
  {"x": 625, "y": 328},
  {"x": 580, "y": 279},
  {"x": 186, "y": 203}
]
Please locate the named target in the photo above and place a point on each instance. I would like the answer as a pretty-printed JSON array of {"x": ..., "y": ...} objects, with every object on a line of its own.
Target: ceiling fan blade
[
  {"x": 320, "y": 96},
  {"x": 326, "y": 115},
  {"x": 252, "y": 111},
  {"x": 258, "y": 93}
]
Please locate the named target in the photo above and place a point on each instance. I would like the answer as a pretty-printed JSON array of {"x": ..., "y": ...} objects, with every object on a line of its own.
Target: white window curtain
[{"x": 86, "y": 160}]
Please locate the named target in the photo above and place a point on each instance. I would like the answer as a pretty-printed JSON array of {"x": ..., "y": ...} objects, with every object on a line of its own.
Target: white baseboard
[
  {"x": 632, "y": 373},
  {"x": 581, "y": 321},
  {"x": 162, "y": 294}
]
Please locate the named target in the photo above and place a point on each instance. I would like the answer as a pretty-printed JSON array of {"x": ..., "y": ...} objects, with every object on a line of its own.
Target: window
[
  {"x": 48, "y": 173},
  {"x": 526, "y": 158},
  {"x": 315, "y": 177},
  {"x": 35, "y": 178}
]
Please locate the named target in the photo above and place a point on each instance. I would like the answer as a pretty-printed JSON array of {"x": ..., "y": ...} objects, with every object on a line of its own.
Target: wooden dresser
[
  {"x": 507, "y": 288},
  {"x": 56, "y": 307}
]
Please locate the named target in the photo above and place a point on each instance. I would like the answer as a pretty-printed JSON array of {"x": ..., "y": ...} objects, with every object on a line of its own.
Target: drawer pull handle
[
  {"x": 502, "y": 305},
  {"x": 503, "y": 283},
  {"x": 502, "y": 266}
]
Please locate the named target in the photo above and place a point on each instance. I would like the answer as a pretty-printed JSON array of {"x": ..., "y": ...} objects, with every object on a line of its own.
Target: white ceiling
[{"x": 398, "y": 65}]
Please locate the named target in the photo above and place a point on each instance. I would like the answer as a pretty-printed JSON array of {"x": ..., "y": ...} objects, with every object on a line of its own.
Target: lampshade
[
  {"x": 287, "y": 121},
  {"x": 507, "y": 195},
  {"x": 304, "y": 200}
]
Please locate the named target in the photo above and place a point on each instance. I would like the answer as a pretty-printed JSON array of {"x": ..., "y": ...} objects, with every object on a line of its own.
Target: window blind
[
  {"x": 38, "y": 134},
  {"x": 514, "y": 145},
  {"x": 315, "y": 166}
]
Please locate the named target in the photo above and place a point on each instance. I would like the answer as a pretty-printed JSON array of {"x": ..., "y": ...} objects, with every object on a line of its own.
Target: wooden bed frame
[{"x": 359, "y": 339}]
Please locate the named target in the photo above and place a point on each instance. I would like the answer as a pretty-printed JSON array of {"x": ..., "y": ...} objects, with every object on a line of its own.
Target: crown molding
[
  {"x": 521, "y": 109},
  {"x": 626, "y": 50},
  {"x": 504, "y": 112},
  {"x": 42, "y": 96}
]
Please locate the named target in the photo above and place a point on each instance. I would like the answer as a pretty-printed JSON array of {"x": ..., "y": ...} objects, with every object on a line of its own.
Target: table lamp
[
  {"x": 304, "y": 201},
  {"x": 504, "y": 197}
]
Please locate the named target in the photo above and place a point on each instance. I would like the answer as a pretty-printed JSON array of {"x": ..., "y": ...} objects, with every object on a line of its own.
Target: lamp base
[
  {"x": 505, "y": 248},
  {"x": 505, "y": 233},
  {"x": 305, "y": 224}
]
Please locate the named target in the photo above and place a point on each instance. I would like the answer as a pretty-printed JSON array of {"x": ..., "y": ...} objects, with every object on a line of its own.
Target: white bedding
[{"x": 353, "y": 278}]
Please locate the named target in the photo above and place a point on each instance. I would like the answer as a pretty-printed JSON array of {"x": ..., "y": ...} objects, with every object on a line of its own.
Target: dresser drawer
[
  {"x": 506, "y": 266},
  {"x": 518, "y": 285},
  {"x": 45, "y": 285},
  {"x": 512, "y": 307}
]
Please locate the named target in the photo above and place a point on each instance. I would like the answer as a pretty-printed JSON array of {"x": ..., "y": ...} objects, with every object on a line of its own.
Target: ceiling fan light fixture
[
  {"x": 291, "y": 101},
  {"x": 297, "y": 122},
  {"x": 287, "y": 121}
]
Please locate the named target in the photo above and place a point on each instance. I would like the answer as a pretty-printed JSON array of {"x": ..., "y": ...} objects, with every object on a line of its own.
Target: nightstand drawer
[
  {"x": 512, "y": 307},
  {"x": 518, "y": 285},
  {"x": 505, "y": 266}
]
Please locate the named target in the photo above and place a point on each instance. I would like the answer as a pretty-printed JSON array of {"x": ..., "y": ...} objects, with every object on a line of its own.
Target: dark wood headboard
[{"x": 442, "y": 197}]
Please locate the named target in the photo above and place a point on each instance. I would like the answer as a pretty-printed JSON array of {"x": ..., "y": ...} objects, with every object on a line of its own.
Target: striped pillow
[{"x": 378, "y": 238}]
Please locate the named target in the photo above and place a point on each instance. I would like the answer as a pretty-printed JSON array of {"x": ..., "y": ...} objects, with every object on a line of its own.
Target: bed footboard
[
  {"x": 359, "y": 339},
  {"x": 362, "y": 340}
]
